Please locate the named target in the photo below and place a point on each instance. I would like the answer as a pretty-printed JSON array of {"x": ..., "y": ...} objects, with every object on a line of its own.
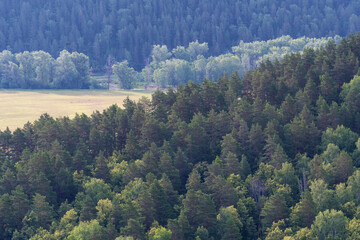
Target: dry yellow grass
[{"x": 19, "y": 107}]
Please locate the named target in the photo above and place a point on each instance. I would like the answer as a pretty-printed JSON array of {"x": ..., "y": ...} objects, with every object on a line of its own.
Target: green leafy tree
[
  {"x": 230, "y": 225},
  {"x": 65, "y": 71},
  {"x": 342, "y": 137},
  {"x": 353, "y": 229},
  {"x": 353, "y": 185},
  {"x": 104, "y": 209},
  {"x": 87, "y": 230},
  {"x": 160, "y": 233},
  {"x": 321, "y": 195},
  {"x": 126, "y": 75},
  {"x": 196, "y": 48},
  {"x": 330, "y": 224},
  {"x": 202, "y": 234}
]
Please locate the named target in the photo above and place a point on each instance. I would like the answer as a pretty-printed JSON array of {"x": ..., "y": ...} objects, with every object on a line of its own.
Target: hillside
[
  {"x": 271, "y": 155},
  {"x": 127, "y": 30}
]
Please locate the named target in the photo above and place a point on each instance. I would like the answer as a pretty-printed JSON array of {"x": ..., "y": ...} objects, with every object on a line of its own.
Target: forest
[
  {"x": 39, "y": 70},
  {"x": 182, "y": 64},
  {"x": 128, "y": 29},
  {"x": 271, "y": 155}
]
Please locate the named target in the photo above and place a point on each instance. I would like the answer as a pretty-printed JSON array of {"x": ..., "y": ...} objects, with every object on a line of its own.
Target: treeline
[
  {"x": 272, "y": 155},
  {"x": 128, "y": 29},
  {"x": 181, "y": 64},
  {"x": 38, "y": 69},
  {"x": 31, "y": 70}
]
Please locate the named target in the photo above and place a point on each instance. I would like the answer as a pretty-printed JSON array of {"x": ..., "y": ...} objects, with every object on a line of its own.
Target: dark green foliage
[
  {"x": 303, "y": 213},
  {"x": 275, "y": 209},
  {"x": 129, "y": 29},
  {"x": 162, "y": 207},
  {"x": 200, "y": 210}
]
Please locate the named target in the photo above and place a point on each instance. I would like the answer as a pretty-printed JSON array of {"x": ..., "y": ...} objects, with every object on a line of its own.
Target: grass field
[{"x": 19, "y": 107}]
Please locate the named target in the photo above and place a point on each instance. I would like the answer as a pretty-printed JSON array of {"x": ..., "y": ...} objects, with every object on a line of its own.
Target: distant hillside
[{"x": 128, "y": 29}]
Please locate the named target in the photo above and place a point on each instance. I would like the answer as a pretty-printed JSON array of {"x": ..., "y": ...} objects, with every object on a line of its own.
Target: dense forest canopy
[
  {"x": 274, "y": 155},
  {"x": 128, "y": 29}
]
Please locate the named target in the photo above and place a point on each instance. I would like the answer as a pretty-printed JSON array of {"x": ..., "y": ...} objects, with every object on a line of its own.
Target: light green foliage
[
  {"x": 43, "y": 234},
  {"x": 181, "y": 53},
  {"x": 351, "y": 95},
  {"x": 331, "y": 153},
  {"x": 286, "y": 176},
  {"x": 353, "y": 184},
  {"x": 184, "y": 64},
  {"x": 278, "y": 231},
  {"x": 195, "y": 49},
  {"x": 275, "y": 234},
  {"x": 160, "y": 53},
  {"x": 230, "y": 225},
  {"x": 71, "y": 71},
  {"x": 159, "y": 233},
  {"x": 67, "y": 223},
  {"x": 303, "y": 234},
  {"x": 321, "y": 195},
  {"x": 343, "y": 193},
  {"x": 330, "y": 224},
  {"x": 342, "y": 137},
  {"x": 227, "y": 63},
  {"x": 132, "y": 190},
  {"x": 172, "y": 72},
  {"x": 104, "y": 210},
  {"x": 26, "y": 67},
  {"x": 255, "y": 52},
  {"x": 87, "y": 231},
  {"x": 81, "y": 62},
  {"x": 124, "y": 238},
  {"x": 353, "y": 229},
  {"x": 44, "y": 67},
  {"x": 126, "y": 75}
]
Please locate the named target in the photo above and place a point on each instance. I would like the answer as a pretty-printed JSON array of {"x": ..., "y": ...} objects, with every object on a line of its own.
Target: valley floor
[{"x": 19, "y": 107}]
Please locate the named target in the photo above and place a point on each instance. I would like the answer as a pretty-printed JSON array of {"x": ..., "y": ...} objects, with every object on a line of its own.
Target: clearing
[{"x": 17, "y": 107}]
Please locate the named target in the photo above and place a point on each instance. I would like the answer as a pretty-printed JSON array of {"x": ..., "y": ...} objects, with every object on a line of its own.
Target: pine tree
[{"x": 162, "y": 207}]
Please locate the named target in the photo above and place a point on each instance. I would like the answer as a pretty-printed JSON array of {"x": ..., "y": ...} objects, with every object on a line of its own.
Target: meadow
[{"x": 19, "y": 107}]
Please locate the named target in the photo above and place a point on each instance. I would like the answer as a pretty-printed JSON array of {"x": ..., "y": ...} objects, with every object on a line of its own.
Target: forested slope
[
  {"x": 128, "y": 29},
  {"x": 273, "y": 154}
]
